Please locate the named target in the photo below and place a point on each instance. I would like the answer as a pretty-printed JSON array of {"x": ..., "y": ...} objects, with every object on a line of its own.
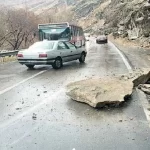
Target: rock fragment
[
  {"x": 100, "y": 92},
  {"x": 34, "y": 116}
]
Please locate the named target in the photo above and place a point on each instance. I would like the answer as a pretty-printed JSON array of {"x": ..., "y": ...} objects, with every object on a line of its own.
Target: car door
[
  {"x": 75, "y": 52},
  {"x": 64, "y": 50}
]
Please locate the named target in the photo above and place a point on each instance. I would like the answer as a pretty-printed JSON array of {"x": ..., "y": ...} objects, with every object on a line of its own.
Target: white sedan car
[{"x": 53, "y": 53}]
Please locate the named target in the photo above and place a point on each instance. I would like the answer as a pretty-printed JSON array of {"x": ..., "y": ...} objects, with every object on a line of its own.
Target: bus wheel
[{"x": 82, "y": 58}]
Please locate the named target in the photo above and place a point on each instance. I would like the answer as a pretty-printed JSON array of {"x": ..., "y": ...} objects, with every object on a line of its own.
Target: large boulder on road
[{"x": 100, "y": 92}]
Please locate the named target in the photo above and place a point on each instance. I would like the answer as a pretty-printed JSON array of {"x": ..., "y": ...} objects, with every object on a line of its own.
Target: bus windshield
[{"x": 51, "y": 33}]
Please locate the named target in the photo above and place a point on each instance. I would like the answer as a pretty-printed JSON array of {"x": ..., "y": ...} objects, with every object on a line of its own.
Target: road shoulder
[{"x": 138, "y": 57}]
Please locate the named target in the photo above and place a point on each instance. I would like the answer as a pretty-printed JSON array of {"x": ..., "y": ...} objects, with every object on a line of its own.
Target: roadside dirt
[
  {"x": 137, "y": 56},
  {"x": 7, "y": 59},
  {"x": 124, "y": 42}
]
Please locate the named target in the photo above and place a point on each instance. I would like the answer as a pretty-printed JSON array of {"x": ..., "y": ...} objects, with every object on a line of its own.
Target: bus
[{"x": 63, "y": 32}]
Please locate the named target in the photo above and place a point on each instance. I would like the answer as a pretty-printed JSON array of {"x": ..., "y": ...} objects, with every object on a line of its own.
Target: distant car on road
[
  {"x": 53, "y": 53},
  {"x": 102, "y": 39}
]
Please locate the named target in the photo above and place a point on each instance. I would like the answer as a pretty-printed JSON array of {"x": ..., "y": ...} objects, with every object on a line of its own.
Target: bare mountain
[{"x": 36, "y": 4}]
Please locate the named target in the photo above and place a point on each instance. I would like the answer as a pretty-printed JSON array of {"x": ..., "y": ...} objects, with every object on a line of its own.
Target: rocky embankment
[{"x": 131, "y": 20}]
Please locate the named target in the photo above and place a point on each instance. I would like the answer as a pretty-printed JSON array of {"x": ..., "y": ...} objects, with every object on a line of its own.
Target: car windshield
[{"x": 42, "y": 45}]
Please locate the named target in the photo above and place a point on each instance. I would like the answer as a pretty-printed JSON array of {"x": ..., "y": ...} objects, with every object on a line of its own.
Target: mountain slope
[
  {"x": 126, "y": 18},
  {"x": 36, "y": 5}
]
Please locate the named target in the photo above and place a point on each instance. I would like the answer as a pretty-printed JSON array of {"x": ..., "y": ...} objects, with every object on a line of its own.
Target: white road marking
[
  {"x": 21, "y": 82},
  {"x": 141, "y": 95},
  {"x": 122, "y": 56},
  {"x": 145, "y": 104},
  {"x": 143, "y": 99}
]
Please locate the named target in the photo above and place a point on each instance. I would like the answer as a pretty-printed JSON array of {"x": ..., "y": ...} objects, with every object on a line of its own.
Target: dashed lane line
[{"x": 21, "y": 82}]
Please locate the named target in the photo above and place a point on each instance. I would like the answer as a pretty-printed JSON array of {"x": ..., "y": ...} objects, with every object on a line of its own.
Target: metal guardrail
[{"x": 10, "y": 53}]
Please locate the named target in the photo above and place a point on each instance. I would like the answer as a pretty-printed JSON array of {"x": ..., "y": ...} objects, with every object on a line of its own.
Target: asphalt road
[{"x": 36, "y": 114}]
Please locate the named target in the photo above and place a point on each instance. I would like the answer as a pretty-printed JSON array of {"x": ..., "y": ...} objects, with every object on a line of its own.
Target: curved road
[{"x": 36, "y": 114}]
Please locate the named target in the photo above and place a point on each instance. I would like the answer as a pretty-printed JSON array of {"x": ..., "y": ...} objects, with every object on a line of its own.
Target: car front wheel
[
  {"x": 30, "y": 66},
  {"x": 57, "y": 63},
  {"x": 82, "y": 58}
]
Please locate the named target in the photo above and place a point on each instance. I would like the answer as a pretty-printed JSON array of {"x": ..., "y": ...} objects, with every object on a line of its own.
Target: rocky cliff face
[
  {"x": 125, "y": 18},
  {"x": 83, "y": 8},
  {"x": 129, "y": 19}
]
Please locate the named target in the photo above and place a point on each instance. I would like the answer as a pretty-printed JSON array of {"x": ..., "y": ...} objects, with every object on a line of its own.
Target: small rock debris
[
  {"x": 131, "y": 118},
  {"x": 18, "y": 108},
  {"x": 34, "y": 116}
]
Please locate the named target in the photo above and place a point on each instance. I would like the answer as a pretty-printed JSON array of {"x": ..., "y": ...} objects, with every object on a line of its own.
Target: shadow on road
[
  {"x": 66, "y": 66},
  {"x": 86, "y": 111}
]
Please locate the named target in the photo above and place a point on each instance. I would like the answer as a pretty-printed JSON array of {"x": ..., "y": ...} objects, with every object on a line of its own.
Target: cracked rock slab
[{"x": 100, "y": 92}]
